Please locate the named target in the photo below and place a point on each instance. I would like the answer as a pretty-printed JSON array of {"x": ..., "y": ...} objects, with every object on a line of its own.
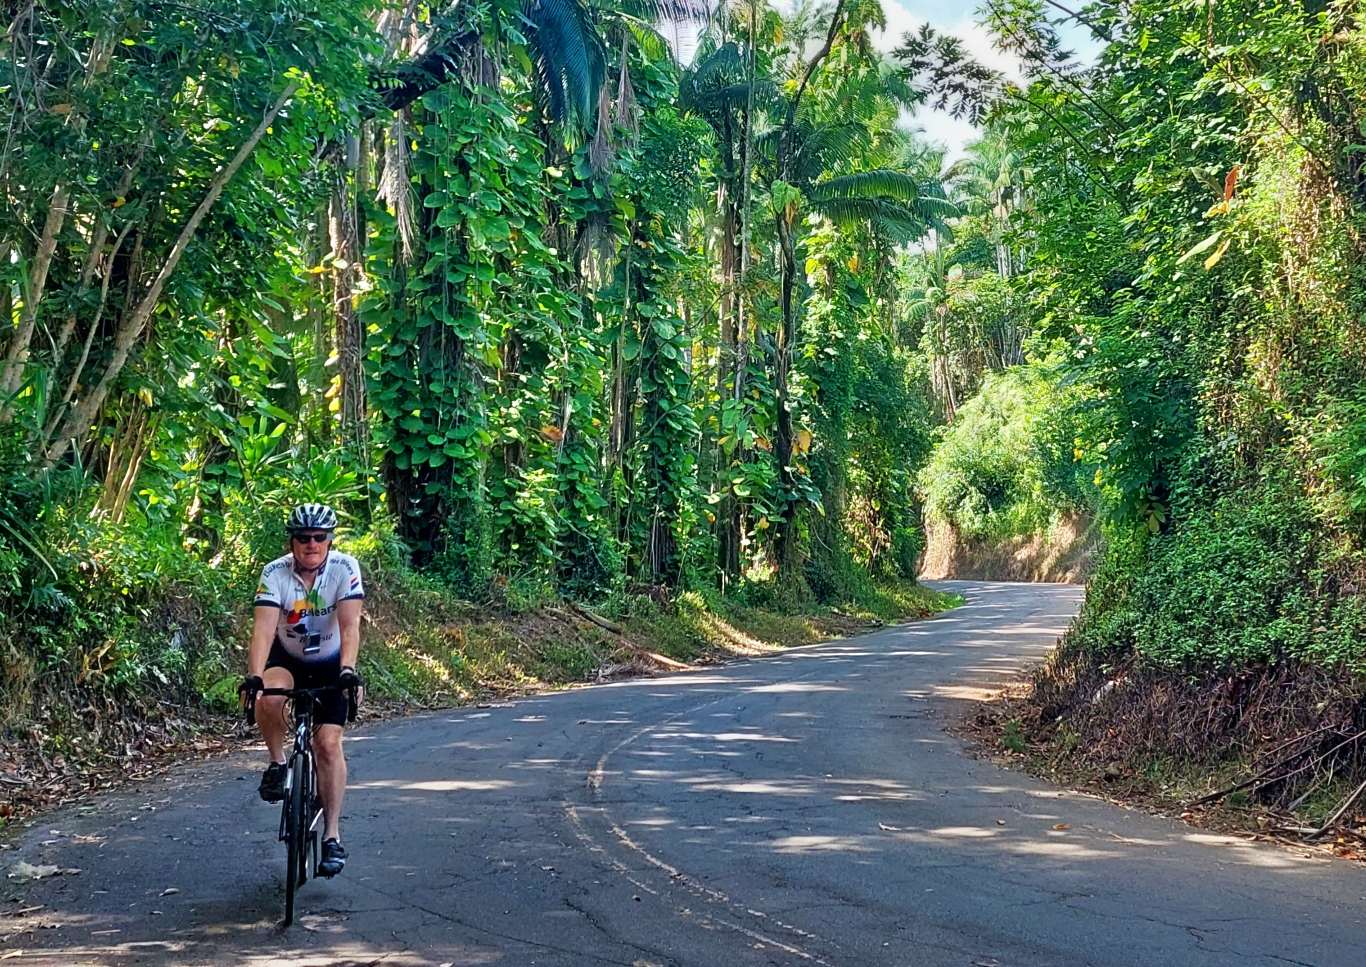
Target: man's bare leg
[
  {"x": 327, "y": 750},
  {"x": 270, "y": 713}
]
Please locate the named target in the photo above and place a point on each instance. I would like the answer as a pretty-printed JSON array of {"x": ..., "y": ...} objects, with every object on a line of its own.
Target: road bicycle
[{"x": 301, "y": 812}]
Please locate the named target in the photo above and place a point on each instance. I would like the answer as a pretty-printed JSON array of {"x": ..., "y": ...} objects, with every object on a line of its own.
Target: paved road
[{"x": 803, "y": 809}]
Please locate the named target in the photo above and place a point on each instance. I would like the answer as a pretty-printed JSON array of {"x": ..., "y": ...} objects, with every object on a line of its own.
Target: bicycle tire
[
  {"x": 294, "y": 833},
  {"x": 306, "y": 797}
]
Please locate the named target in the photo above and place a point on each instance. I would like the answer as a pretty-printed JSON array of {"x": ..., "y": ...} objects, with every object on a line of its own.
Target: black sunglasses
[{"x": 311, "y": 538}]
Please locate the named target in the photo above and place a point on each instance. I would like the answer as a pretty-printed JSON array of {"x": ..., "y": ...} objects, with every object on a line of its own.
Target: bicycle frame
[{"x": 301, "y": 811}]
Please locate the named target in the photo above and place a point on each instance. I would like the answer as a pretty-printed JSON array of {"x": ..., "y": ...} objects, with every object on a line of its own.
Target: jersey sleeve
[
  {"x": 352, "y": 588},
  {"x": 267, "y": 596}
]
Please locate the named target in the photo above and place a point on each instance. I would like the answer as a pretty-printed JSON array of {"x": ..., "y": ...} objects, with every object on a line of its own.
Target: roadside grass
[{"x": 701, "y": 627}]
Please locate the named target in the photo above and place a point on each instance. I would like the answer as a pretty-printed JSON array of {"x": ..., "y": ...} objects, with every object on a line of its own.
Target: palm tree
[
  {"x": 817, "y": 153},
  {"x": 991, "y": 182}
]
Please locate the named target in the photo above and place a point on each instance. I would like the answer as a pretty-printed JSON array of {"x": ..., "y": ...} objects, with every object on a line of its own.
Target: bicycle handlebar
[{"x": 249, "y": 711}]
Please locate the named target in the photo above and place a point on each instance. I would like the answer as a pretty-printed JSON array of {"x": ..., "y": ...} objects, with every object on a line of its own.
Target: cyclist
[{"x": 307, "y": 635}]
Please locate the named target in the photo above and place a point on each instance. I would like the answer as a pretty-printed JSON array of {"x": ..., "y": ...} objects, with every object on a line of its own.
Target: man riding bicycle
[{"x": 306, "y": 635}]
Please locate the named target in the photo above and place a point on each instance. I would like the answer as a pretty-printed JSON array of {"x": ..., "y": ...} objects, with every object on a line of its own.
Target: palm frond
[
  {"x": 818, "y": 148},
  {"x": 899, "y": 221},
  {"x": 897, "y": 185},
  {"x": 569, "y": 56},
  {"x": 651, "y": 42}
]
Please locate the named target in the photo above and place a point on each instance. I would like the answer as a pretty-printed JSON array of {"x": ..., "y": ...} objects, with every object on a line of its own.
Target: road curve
[{"x": 803, "y": 809}]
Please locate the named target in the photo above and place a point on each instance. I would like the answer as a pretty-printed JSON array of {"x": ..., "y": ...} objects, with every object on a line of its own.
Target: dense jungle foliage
[
  {"x": 1195, "y": 221},
  {"x": 545, "y": 310},
  {"x": 540, "y": 309}
]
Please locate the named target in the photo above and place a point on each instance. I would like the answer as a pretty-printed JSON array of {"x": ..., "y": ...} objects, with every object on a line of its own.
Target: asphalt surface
[{"x": 807, "y": 808}]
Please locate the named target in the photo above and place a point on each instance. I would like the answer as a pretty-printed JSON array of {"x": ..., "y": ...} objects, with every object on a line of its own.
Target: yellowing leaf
[
  {"x": 62, "y": 109},
  {"x": 853, "y": 262},
  {"x": 120, "y": 201},
  {"x": 552, "y": 433},
  {"x": 145, "y": 395},
  {"x": 803, "y": 442},
  {"x": 1213, "y": 260}
]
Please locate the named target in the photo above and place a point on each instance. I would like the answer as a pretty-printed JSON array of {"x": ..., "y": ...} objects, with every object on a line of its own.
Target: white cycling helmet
[{"x": 312, "y": 517}]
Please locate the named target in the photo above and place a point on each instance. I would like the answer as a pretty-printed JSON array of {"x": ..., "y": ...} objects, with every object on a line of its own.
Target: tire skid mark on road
[
  {"x": 595, "y": 779},
  {"x": 688, "y": 883}
]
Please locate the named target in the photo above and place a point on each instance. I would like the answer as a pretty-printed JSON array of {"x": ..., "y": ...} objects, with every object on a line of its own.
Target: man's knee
[
  {"x": 271, "y": 706},
  {"x": 327, "y": 745}
]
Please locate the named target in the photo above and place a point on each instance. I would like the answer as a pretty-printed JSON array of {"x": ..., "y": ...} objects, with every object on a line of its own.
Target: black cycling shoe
[
  {"x": 334, "y": 858},
  {"x": 272, "y": 787}
]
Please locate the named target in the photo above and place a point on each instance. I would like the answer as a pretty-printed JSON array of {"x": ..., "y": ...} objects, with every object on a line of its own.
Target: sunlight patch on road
[
  {"x": 820, "y": 844},
  {"x": 1060, "y": 849},
  {"x": 1253, "y": 854},
  {"x": 439, "y": 785},
  {"x": 725, "y": 736},
  {"x": 790, "y": 687},
  {"x": 964, "y": 832},
  {"x": 968, "y": 693}
]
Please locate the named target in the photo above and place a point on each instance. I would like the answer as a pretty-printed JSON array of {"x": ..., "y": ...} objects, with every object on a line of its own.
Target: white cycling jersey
[{"x": 308, "y": 628}]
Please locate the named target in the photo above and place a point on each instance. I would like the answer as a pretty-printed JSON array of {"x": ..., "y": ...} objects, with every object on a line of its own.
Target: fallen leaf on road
[
  {"x": 170, "y": 891},
  {"x": 890, "y": 829},
  {"x": 1000, "y": 822},
  {"x": 11, "y": 955},
  {"x": 1061, "y": 826}
]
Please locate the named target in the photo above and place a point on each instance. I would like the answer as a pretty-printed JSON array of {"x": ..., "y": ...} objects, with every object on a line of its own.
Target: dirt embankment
[{"x": 1065, "y": 552}]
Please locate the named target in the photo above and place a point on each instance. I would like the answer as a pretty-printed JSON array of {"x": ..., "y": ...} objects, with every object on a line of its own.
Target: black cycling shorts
[{"x": 330, "y": 708}]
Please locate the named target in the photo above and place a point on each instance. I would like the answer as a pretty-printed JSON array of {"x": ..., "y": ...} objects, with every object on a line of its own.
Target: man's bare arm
[
  {"x": 262, "y": 635},
  {"x": 348, "y": 617}
]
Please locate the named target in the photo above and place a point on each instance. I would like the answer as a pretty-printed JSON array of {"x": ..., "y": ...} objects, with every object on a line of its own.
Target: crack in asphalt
[
  {"x": 489, "y": 931},
  {"x": 596, "y": 923}
]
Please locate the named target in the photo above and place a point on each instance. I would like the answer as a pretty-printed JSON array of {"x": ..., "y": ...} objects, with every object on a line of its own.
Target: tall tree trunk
[
  {"x": 78, "y": 370},
  {"x": 348, "y": 334},
  {"x": 786, "y": 542},
  {"x": 16, "y": 353},
  {"x": 59, "y": 206}
]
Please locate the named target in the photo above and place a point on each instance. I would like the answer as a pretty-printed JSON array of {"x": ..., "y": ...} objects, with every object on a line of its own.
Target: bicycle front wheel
[{"x": 295, "y": 833}]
